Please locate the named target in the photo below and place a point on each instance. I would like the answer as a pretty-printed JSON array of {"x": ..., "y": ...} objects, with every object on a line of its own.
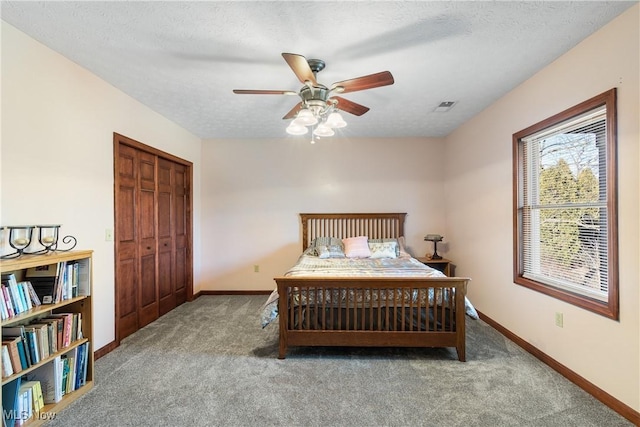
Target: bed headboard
[{"x": 341, "y": 225}]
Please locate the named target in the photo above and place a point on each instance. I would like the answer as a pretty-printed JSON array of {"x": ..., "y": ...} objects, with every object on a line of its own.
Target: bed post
[
  {"x": 460, "y": 325},
  {"x": 283, "y": 300}
]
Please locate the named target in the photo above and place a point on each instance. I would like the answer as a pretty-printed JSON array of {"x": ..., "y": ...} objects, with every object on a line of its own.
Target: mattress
[{"x": 403, "y": 267}]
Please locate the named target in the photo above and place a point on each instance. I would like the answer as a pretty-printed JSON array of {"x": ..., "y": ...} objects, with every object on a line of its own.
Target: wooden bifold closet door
[{"x": 152, "y": 236}]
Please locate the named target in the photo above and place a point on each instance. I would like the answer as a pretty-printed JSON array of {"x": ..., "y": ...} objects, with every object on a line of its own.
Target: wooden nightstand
[{"x": 443, "y": 264}]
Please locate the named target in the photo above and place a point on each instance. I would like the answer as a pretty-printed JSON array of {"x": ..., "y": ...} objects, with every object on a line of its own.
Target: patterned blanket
[{"x": 312, "y": 266}]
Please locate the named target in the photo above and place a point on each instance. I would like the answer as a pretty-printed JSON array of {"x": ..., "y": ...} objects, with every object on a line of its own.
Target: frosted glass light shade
[
  {"x": 323, "y": 130},
  {"x": 294, "y": 129},
  {"x": 335, "y": 121},
  {"x": 305, "y": 118}
]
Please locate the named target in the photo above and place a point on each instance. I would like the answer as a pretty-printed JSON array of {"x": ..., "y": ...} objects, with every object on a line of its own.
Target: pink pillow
[{"x": 356, "y": 247}]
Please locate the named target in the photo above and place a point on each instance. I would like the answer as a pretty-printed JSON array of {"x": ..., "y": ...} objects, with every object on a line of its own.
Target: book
[
  {"x": 7, "y": 367},
  {"x": 50, "y": 377},
  {"x": 37, "y": 400},
  {"x": 58, "y": 323},
  {"x": 23, "y": 357},
  {"x": 66, "y": 320},
  {"x": 60, "y": 283},
  {"x": 42, "y": 335},
  {"x": 75, "y": 284},
  {"x": 10, "y": 401},
  {"x": 79, "y": 334},
  {"x": 65, "y": 374},
  {"x": 80, "y": 361},
  {"x": 34, "y": 296},
  {"x": 85, "y": 361},
  {"x": 32, "y": 344},
  {"x": 4, "y": 312},
  {"x": 84, "y": 277},
  {"x": 51, "y": 335},
  {"x": 14, "y": 294},
  {"x": 14, "y": 355},
  {"x": 25, "y": 403},
  {"x": 24, "y": 295},
  {"x": 18, "y": 331},
  {"x": 44, "y": 279},
  {"x": 51, "y": 270},
  {"x": 7, "y": 300},
  {"x": 73, "y": 369}
]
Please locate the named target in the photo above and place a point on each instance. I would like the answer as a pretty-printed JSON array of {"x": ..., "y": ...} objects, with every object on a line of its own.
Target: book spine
[
  {"x": 35, "y": 299},
  {"x": 7, "y": 368},
  {"x": 23, "y": 357},
  {"x": 15, "y": 297},
  {"x": 3, "y": 306},
  {"x": 14, "y": 355},
  {"x": 24, "y": 294},
  {"x": 7, "y": 299},
  {"x": 32, "y": 340}
]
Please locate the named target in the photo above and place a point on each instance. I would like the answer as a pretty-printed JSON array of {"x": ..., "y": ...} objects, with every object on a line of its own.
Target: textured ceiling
[{"x": 183, "y": 59}]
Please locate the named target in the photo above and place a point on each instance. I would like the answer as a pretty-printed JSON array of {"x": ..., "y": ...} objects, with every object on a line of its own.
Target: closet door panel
[
  {"x": 181, "y": 191},
  {"x": 153, "y": 234},
  {"x": 126, "y": 242},
  {"x": 166, "y": 259},
  {"x": 147, "y": 229},
  {"x": 127, "y": 298}
]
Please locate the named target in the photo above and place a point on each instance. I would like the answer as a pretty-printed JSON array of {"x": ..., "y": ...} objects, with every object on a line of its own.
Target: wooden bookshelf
[{"x": 79, "y": 304}]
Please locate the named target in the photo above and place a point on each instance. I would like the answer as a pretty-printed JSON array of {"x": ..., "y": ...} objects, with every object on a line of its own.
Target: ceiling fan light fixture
[
  {"x": 294, "y": 129},
  {"x": 336, "y": 121},
  {"x": 305, "y": 118},
  {"x": 323, "y": 130},
  {"x": 318, "y": 108}
]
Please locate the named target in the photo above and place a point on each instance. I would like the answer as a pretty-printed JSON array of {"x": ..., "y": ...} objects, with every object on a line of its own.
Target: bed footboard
[{"x": 372, "y": 312}]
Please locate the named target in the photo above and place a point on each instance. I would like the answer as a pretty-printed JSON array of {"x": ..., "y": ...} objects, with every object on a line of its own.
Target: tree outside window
[{"x": 565, "y": 231}]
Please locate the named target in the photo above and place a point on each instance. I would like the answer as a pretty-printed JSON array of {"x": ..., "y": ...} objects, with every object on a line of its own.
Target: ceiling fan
[{"x": 319, "y": 105}]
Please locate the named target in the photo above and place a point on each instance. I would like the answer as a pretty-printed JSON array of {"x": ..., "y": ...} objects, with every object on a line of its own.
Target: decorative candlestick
[
  {"x": 48, "y": 238},
  {"x": 19, "y": 239}
]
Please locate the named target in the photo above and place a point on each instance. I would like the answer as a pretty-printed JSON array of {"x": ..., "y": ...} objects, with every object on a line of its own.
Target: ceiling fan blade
[
  {"x": 350, "y": 106},
  {"x": 300, "y": 67},
  {"x": 291, "y": 114},
  {"x": 383, "y": 78},
  {"x": 263, "y": 92}
]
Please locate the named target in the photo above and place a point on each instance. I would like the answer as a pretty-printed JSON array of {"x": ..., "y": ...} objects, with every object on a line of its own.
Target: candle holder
[
  {"x": 19, "y": 239},
  {"x": 48, "y": 238}
]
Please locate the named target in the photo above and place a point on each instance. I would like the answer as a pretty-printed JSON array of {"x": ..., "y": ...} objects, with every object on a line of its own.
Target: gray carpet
[{"x": 208, "y": 363}]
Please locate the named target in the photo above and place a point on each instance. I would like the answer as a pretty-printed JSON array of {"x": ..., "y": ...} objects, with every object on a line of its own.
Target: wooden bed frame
[{"x": 360, "y": 323}]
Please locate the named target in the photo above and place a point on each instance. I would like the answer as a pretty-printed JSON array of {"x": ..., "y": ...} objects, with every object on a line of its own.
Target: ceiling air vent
[{"x": 444, "y": 106}]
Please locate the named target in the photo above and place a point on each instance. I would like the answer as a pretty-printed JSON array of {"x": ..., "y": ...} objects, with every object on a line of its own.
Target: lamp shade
[
  {"x": 295, "y": 129},
  {"x": 335, "y": 121},
  {"x": 305, "y": 118},
  {"x": 323, "y": 130}
]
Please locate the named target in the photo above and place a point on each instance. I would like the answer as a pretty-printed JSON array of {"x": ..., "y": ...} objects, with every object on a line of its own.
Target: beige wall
[
  {"x": 57, "y": 154},
  {"x": 479, "y": 210},
  {"x": 57, "y": 125},
  {"x": 253, "y": 191}
]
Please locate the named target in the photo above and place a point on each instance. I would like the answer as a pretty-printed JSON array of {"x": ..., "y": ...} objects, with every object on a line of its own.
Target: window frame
[{"x": 610, "y": 307}]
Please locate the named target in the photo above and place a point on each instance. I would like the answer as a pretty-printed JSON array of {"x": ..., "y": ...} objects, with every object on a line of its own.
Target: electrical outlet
[
  {"x": 256, "y": 268},
  {"x": 559, "y": 320},
  {"x": 108, "y": 235}
]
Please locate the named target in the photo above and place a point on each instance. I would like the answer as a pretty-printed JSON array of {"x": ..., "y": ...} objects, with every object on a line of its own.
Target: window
[{"x": 565, "y": 206}]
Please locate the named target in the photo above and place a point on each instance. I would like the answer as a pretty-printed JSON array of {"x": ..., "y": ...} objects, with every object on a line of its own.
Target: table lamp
[{"x": 435, "y": 238}]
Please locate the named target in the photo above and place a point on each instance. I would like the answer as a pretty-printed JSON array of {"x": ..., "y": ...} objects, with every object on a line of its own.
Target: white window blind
[{"x": 563, "y": 205}]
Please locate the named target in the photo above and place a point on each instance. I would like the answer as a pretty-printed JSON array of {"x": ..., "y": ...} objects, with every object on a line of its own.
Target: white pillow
[
  {"x": 383, "y": 249},
  {"x": 356, "y": 247},
  {"x": 402, "y": 253}
]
